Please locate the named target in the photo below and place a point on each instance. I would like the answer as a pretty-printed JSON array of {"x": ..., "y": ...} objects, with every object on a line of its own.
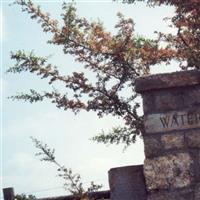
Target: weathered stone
[
  {"x": 170, "y": 171},
  {"x": 168, "y": 100},
  {"x": 183, "y": 194},
  {"x": 174, "y": 120},
  {"x": 148, "y": 102},
  {"x": 171, "y": 136},
  {"x": 192, "y": 96},
  {"x": 127, "y": 183},
  {"x": 198, "y": 159},
  {"x": 158, "y": 101},
  {"x": 168, "y": 80},
  {"x": 195, "y": 155},
  {"x": 193, "y": 139},
  {"x": 197, "y": 192},
  {"x": 179, "y": 98},
  {"x": 171, "y": 141},
  {"x": 153, "y": 146}
]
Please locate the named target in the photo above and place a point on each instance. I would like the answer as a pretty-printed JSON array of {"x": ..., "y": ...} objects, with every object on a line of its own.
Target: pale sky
[{"x": 62, "y": 130}]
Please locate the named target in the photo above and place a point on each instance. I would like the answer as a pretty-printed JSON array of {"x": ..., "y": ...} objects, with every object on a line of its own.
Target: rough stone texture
[
  {"x": 169, "y": 99},
  {"x": 173, "y": 141},
  {"x": 192, "y": 96},
  {"x": 195, "y": 154},
  {"x": 197, "y": 192},
  {"x": 170, "y": 80},
  {"x": 173, "y": 120},
  {"x": 152, "y": 147},
  {"x": 198, "y": 157},
  {"x": 183, "y": 194},
  {"x": 127, "y": 183},
  {"x": 172, "y": 135},
  {"x": 193, "y": 139},
  {"x": 148, "y": 102},
  {"x": 163, "y": 100},
  {"x": 170, "y": 171},
  {"x": 157, "y": 101}
]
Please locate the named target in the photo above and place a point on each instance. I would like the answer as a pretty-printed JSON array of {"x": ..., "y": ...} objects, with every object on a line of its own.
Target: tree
[
  {"x": 72, "y": 181},
  {"x": 114, "y": 60}
]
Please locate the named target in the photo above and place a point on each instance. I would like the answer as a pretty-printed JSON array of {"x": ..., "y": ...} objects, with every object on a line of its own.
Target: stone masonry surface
[
  {"x": 127, "y": 183},
  {"x": 171, "y": 171},
  {"x": 171, "y": 105},
  {"x": 168, "y": 80},
  {"x": 175, "y": 120}
]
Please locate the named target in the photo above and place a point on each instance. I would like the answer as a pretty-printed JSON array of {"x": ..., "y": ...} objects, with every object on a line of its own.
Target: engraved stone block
[
  {"x": 171, "y": 141},
  {"x": 170, "y": 171},
  {"x": 174, "y": 120}
]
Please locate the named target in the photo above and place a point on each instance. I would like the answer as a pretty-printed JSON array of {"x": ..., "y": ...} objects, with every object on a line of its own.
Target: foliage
[
  {"x": 186, "y": 20},
  {"x": 72, "y": 181},
  {"x": 115, "y": 61},
  {"x": 24, "y": 197}
]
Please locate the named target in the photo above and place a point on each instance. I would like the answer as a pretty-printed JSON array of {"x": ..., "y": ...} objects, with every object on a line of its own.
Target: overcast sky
[{"x": 67, "y": 133}]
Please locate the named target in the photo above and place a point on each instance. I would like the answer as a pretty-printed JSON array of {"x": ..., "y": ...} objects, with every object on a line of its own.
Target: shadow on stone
[{"x": 127, "y": 183}]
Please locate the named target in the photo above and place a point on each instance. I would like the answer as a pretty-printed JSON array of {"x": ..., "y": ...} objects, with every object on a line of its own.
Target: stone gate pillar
[{"x": 172, "y": 135}]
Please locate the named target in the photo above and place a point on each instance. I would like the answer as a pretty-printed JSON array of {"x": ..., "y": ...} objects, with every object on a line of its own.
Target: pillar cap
[
  {"x": 125, "y": 168},
  {"x": 167, "y": 80}
]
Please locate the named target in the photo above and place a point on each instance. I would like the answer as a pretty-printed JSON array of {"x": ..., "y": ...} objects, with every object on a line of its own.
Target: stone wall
[{"x": 172, "y": 135}]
